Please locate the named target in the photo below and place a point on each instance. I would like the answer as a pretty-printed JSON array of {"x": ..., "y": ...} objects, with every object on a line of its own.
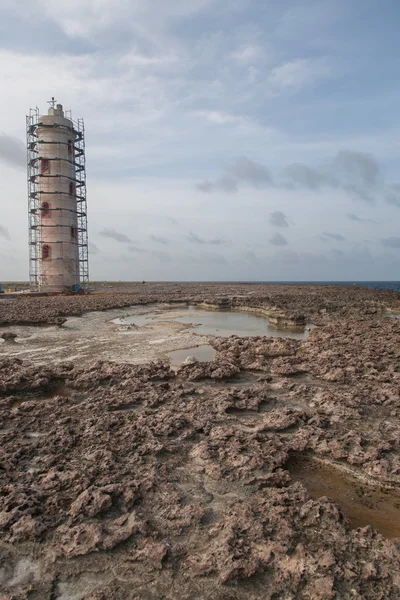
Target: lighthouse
[{"x": 57, "y": 201}]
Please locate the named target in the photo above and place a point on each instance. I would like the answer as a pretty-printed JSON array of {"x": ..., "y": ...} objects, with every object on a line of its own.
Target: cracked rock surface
[{"x": 123, "y": 481}]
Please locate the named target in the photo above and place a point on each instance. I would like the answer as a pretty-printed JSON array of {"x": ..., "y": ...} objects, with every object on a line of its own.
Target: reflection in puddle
[
  {"x": 217, "y": 322},
  {"x": 362, "y": 504},
  {"x": 138, "y": 320},
  {"x": 200, "y": 353}
]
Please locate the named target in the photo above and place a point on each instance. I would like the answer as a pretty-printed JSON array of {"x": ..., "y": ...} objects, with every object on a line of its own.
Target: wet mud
[
  {"x": 363, "y": 503},
  {"x": 271, "y": 471}
]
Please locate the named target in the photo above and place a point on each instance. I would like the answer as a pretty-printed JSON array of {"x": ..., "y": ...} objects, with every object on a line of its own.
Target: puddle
[
  {"x": 217, "y": 322},
  {"x": 362, "y": 504},
  {"x": 138, "y": 320},
  {"x": 201, "y": 353}
]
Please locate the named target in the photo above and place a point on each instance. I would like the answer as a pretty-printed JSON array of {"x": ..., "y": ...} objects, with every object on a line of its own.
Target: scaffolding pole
[{"x": 36, "y": 197}]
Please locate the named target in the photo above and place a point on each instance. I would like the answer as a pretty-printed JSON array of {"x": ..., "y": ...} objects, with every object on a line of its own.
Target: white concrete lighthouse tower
[{"x": 57, "y": 201}]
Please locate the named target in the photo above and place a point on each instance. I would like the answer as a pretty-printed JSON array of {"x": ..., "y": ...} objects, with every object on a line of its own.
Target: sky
[{"x": 226, "y": 140}]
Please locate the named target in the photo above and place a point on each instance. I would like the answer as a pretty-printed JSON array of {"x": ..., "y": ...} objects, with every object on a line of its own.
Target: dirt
[{"x": 271, "y": 472}]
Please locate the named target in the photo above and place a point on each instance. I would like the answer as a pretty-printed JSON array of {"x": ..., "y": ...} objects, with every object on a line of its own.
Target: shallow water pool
[
  {"x": 204, "y": 353},
  {"x": 362, "y": 504},
  {"x": 222, "y": 323}
]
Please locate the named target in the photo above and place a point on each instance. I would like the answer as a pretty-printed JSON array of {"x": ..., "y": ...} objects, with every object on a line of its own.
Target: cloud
[
  {"x": 137, "y": 250},
  {"x": 161, "y": 256},
  {"x": 334, "y": 236},
  {"x": 223, "y": 184},
  {"x": 252, "y": 258},
  {"x": 4, "y": 233},
  {"x": 136, "y": 17},
  {"x": 391, "y": 242},
  {"x": 244, "y": 169},
  {"x": 353, "y": 217},
  {"x": 241, "y": 169},
  {"x": 358, "y": 166},
  {"x": 358, "y": 219},
  {"x": 358, "y": 193},
  {"x": 392, "y": 195},
  {"x": 93, "y": 249},
  {"x": 218, "y": 117},
  {"x": 308, "y": 177},
  {"x": 286, "y": 256},
  {"x": 278, "y": 240},
  {"x": 213, "y": 258},
  {"x": 195, "y": 239},
  {"x": 12, "y": 151},
  {"x": 115, "y": 235},
  {"x": 337, "y": 253},
  {"x": 352, "y": 172},
  {"x": 278, "y": 219},
  {"x": 247, "y": 54},
  {"x": 159, "y": 239},
  {"x": 299, "y": 73}
]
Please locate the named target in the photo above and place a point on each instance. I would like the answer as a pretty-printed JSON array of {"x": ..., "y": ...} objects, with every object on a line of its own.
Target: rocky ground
[
  {"x": 122, "y": 481},
  {"x": 293, "y": 300}
]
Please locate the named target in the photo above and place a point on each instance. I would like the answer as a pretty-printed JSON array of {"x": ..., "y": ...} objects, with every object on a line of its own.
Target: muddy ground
[{"x": 272, "y": 472}]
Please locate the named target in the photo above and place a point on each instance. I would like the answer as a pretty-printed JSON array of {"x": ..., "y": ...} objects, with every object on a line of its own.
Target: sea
[{"x": 378, "y": 285}]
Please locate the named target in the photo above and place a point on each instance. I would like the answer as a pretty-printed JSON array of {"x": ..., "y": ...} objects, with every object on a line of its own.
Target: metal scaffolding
[{"x": 36, "y": 195}]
